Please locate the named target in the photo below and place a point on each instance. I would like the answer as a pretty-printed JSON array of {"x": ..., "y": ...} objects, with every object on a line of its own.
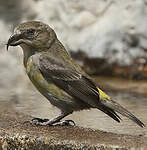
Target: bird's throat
[{"x": 28, "y": 52}]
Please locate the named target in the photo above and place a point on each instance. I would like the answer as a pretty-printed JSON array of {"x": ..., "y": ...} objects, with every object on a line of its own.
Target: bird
[{"x": 59, "y": 78}]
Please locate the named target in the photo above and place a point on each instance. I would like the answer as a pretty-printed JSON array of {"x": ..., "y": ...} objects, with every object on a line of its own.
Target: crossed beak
[{"x": 14, "y": 40}]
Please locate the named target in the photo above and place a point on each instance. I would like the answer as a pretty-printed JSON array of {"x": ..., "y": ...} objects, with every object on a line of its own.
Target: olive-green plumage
[{"x": 57, "y": 76}]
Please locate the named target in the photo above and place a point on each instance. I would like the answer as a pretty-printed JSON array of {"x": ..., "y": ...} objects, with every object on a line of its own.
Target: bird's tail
[{"x": 110, "y": 107}]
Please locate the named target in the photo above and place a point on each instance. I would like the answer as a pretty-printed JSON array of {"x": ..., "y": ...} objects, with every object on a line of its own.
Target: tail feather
[
  {"x": 110, "y": 112},
  {"x": 115, "y": 107}
]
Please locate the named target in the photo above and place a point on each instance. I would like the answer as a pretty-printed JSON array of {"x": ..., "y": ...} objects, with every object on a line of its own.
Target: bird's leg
[{"x": 53, "y": 122}]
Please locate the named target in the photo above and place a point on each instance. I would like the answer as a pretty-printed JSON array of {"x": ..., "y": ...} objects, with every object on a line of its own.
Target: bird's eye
[{"x": 30, "y": 31}]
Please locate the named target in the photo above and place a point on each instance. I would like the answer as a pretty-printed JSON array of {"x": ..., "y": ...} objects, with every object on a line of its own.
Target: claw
[
  {"x": 40, "y": 120},
  {"x": 65, "y": 123},
  {"x": 71, "y": 122},
  {"x": 47, "y": 122},
  {"x": 36, "y": 121}
]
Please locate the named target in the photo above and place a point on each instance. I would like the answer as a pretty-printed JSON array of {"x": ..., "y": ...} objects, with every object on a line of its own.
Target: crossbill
[{"x": 57, "y": 77}]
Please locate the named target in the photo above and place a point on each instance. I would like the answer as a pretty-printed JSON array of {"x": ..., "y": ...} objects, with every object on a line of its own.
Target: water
[{"x": 33, "y": 103}]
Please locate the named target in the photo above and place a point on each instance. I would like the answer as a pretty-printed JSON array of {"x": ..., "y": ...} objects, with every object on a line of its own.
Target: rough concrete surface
[{"x": 14, "y": 134}]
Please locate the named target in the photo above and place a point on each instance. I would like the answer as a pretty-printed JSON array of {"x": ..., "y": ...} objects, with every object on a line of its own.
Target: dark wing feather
[
  {"x": 67, "y": 78},
  {"x": 74, "y": 83}
]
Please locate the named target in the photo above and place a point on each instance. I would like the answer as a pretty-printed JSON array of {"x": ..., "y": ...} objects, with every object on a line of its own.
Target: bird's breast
[
  {"x": 43, "y": 85},
  {"x": 54, "y": 94},
  {"x": 35, "y": 75}
]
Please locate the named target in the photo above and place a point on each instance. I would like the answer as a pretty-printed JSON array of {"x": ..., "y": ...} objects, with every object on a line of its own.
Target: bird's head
[{"x": 34, "y": 35}]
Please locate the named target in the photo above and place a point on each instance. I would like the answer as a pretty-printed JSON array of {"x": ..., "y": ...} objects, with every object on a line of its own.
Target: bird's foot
[
  {"x": 39, "y": 120},
  {"x": 65, "y": 123},
  {"x": 47, "y": 122},
  {"x": 36, "y": 121}
]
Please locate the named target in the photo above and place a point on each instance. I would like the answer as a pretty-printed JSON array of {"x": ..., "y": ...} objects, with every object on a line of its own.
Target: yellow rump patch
[{"x": 103, "y": 95}]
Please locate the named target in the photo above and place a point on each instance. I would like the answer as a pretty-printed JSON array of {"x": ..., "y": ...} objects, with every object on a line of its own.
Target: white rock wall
[{"x": 101, "y": 28}]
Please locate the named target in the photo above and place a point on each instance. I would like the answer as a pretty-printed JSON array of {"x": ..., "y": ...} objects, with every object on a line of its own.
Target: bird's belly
[
  {"x": 47, "y": 88},
  {"x": 55, "y": 95}
]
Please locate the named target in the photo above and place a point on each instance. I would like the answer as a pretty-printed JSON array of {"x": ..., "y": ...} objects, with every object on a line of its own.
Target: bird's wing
[
  {"x": 73, "y": 82},
  {"x": 69, "y": 79}
]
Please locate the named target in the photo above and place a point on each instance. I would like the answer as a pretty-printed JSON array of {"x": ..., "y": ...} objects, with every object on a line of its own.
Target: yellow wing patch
[{"x": 103, "y": 95}]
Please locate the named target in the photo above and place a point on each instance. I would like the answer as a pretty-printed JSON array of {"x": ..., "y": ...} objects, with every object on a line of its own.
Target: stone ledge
[{"x": 14, "y": 134}]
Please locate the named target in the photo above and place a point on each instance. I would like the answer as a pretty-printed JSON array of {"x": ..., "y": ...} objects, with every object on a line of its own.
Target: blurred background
[{"x": 108, "y": 38}]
